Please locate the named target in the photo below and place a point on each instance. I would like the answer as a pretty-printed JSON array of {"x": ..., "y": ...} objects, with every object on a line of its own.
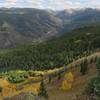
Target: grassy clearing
[{"x": 13, "y": 89}]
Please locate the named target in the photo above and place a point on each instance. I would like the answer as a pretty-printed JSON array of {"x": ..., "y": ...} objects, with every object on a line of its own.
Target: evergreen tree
[
  {"x": 98, "y": 65},
  {"x": 42, "y": 91},
  {"x": 96, "y": 58},
  {"x": 83, "y": 68},
  {"x": 50, "y": 79},
  {"x": 59, "y": 76},
  {"x": 91, "y": 60}
]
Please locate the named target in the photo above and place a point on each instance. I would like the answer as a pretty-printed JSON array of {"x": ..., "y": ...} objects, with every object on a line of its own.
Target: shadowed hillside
[{"x": 24, "y": 25}]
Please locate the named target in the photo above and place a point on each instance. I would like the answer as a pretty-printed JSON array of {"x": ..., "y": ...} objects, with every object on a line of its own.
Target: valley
[
  {"x": 20, "y": 26},
  {"x": 49, "y": 55}
]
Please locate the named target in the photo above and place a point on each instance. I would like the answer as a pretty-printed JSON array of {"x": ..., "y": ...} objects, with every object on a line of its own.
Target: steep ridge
[{"x": 24, "y": 25}]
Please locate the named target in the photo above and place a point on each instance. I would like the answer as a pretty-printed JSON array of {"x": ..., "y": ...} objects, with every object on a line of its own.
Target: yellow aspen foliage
[
  {"x": 67, "y": 82},
  {"x": 69, "y": 77},
  {"x": 4, "y": 83},
  {"x": 66, "y": 85}
]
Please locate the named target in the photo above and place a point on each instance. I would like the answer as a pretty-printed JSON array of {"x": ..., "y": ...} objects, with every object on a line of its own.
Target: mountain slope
[
  {"x": 75, "y": 18},
  {"x": 20, "y": 26},
  {"x": 53, "y": 53}
]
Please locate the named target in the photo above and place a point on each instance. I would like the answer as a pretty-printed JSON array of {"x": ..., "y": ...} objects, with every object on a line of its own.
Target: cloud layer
[{"x": 51, "y": 4}]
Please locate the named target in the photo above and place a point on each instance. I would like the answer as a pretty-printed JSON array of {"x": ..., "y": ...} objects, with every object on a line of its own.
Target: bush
[
  {"x": 16, "y": 78},
  {"x": 68, "y": 81},
  {"x": 31, "y": 73},
  {"x": 90, "y": 87},
  {"x": 94, "y": 87}
]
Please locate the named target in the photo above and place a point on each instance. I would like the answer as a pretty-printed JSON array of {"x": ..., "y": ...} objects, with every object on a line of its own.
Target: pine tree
[
  {"x": 98, "y": 65},
  {"x": 50, "y": 79},
  {"x": 59, "y": 76},
  {"x": 42, "y": 91},
  {"x": 83, "y": 68}
]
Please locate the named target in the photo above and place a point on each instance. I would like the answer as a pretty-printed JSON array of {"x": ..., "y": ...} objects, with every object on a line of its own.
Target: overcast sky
[{"x": 51, "y": 4}]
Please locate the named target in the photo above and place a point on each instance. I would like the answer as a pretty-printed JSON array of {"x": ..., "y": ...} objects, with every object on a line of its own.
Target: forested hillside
[{"x": 53, "y": 53}]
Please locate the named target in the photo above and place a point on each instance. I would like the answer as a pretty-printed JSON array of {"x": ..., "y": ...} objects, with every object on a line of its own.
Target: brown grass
[{"x": 55, "y": 93}]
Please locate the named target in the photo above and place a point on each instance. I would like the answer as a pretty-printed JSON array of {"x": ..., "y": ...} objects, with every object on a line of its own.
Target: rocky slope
[{"x": 22, "y": 25}]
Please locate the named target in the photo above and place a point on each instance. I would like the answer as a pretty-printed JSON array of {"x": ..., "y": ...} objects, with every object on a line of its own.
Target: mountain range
[{"x": 25, "y": 25}]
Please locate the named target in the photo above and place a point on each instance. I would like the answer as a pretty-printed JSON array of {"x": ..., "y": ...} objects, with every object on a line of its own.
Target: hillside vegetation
[
  {"x": 54, "y": 53},
  {"x": 54, "y": 86}
]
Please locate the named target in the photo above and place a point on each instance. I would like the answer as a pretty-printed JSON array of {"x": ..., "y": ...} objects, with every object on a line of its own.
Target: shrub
[
  {"x": 67, "y": 82},
  {"x": 16, "y": 79},
  {"x": 94, "y": 87}
]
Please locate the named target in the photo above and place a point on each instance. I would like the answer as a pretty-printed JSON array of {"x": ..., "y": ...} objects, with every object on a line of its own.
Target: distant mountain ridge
[{"x": 23, "y": 25}]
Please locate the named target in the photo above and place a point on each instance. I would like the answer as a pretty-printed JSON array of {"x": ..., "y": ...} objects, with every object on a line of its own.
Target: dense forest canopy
[{"x": 53, "y": 53}]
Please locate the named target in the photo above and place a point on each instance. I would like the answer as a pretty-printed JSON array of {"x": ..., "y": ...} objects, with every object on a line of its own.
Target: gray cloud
[{"x": 52, "y": 4}]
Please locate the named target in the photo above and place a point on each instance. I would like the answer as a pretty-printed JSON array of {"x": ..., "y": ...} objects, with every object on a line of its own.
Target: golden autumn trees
[{"x": 67, "y": 82}]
